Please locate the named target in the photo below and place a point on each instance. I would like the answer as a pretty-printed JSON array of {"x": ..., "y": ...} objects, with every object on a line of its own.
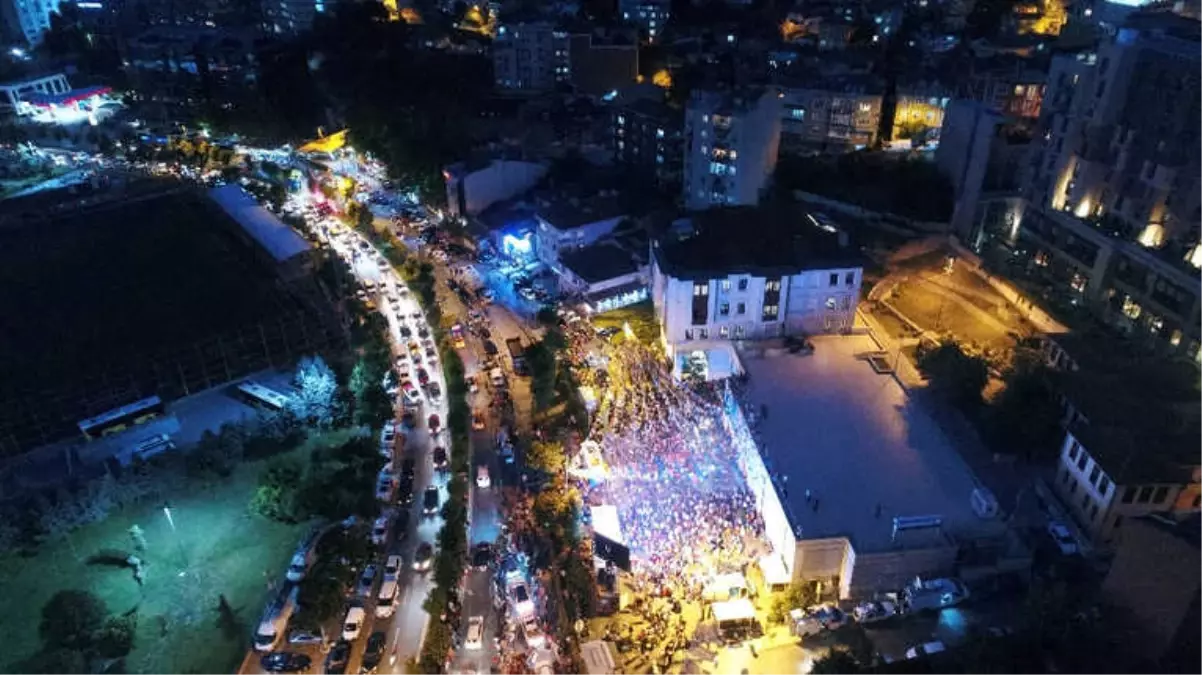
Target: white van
[
  {"x": 353, "y": 624},
  {"x": 386, "y": 600},
  {"x": 274, "y": 623},
  {"x": 498, "y": 378}
]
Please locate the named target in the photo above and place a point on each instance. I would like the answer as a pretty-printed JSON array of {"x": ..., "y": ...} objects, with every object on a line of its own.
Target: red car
[
  {"x": 435, "y": 423},
  {"x": 423, "y": 376}
]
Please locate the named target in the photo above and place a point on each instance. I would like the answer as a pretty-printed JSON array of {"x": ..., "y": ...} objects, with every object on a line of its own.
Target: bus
[
  {"x": 258, "y": 395},
  {"x": 119, "y": 419},
  {"x": 149, "y": 447}
]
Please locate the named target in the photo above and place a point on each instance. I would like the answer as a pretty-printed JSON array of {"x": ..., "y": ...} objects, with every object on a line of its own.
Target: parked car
[
  {"x": 304, "y": 637},
  {"x": 379, "y": 531},
  {"x": 435, "y": 424},
  {"x": 483, "y": 480},
  {"x": 423, "y": 376},
  {"x": 366, "y": 580},
  {"x": 477, "y": 421},
  {"x": 1062, "y": 537},
  {"x": 285, "y": 662},
  {"x": 533, "y": 634},
  {"x": 925, "y": 649},
  {"x": 422, "y": 556},
  {"x": 874, "y": 610},
  {"x": 340, "y": 655},
  {"x": 353, "y": 623},
  {"x": 392, "y": 567},
  {"x": 434, "y": 391}
]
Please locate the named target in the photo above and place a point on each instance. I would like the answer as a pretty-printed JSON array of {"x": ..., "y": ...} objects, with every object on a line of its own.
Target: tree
[
  {"x": 70, "y": 620},
  {"x": 322, "y": 592},
  {"x": 315, "y": 399},
  {"x": 956, "y": 375},
  {"x": 1024, "y": 418},
  {"x": 837, "y": 660},
  {"x": 55, "y": 661},
  {"x": 799, "y": 595},
  {"x": 116, "y": 637},
  {"x": 548, "y": 457}
]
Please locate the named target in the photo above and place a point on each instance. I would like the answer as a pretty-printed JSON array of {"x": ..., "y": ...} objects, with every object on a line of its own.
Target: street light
[{"x": 180, "y": 542}]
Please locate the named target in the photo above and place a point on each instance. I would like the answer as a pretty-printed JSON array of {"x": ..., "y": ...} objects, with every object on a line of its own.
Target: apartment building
[
  {"x": 530, "y": 56},
  {"x": 1131, "y": 441},
  {"x": 647, "y": 139},
  {"x": 568, "y": 222},
  {"x": 649, "y": 15},
  {"x": 835, "y": 115},
  {"x": 731, "y": 144},
  {"x": 1113, "y": 211},
  {"x": 983, "y": 152},
  {"x": 714, "y": 280}
]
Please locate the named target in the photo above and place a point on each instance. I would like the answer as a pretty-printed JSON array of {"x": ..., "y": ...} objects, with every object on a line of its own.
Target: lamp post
[{"x": 180, "y": 542}]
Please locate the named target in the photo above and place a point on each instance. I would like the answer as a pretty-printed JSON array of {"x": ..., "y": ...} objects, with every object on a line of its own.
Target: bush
[{"x": 71, "y": 619}]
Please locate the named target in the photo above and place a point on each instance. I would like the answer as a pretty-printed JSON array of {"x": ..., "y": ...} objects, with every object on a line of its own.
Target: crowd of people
[{"x": 672, "y": 474}]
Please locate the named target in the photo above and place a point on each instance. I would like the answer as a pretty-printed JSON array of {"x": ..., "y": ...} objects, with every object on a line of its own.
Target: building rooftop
[
  {"x": 599, "y": 263},
  {"x": 858, "y": 442},
  {"x": 565, "y": 211},
  {"x": 656, "y": 110},
  {"x": 1141, "y": 411},
  {"x": 764, "y": 241},
  {"x": 281, "y": 241}
]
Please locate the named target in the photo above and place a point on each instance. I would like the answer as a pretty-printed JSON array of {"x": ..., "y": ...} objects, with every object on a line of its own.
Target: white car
[
  {"x": 534, "y": 634},
  {"x": 392, "y": 567},
  {"x": 379, "y": 530},
  {"x": 353, "y": 624},
  {"x": 482, "y": 479},
  {"x": 475, "y": 633},
  {"x": 925, "y": 649},
  {"x": 1063, "y": 537}
]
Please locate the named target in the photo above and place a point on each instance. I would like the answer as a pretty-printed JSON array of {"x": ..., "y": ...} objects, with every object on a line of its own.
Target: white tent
[{"x": 598, "y": 657}]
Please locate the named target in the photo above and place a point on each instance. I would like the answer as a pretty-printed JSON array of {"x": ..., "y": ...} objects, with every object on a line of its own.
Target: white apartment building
[
  {"x": 530, "y": 56},
  {"x": 31, "y": 16},
  {"x": 731, "y": 144},
  {"x": 745, "y": 275}
]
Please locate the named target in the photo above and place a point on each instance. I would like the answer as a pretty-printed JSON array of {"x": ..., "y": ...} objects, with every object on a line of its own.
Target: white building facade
[
  {"x": 731, "y": 145},
  {"x": 753, "y": 305}
]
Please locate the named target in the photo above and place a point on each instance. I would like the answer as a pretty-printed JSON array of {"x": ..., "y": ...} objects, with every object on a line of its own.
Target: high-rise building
[
  {"x": 647, "y": 139},
  {"x": 731, "y": 144},
  {"x": 1113, "y": 209},
  {"x": 291, "y": 17}
]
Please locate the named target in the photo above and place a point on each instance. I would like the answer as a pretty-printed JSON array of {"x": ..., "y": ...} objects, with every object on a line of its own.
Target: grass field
[
  {"x": 217, "y": 548},
  {"x": 640, "y": 316}
]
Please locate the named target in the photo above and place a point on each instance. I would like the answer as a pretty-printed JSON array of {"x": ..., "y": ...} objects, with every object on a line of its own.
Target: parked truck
[{"x": 518, "y": 354}]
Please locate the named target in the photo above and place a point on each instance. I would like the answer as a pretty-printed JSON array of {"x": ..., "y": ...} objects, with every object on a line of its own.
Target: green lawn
[
  {"x": 219, "y": 546},
  {"x": 640, "y": 316}
]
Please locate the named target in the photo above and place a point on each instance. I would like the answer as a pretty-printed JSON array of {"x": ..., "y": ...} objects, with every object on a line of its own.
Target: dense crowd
[{"x": 683, "y": 507}]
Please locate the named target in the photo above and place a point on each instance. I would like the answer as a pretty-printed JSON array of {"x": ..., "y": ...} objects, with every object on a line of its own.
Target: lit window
[
  {"x": 651, "y": 32},
  {"x": 659, "y": 133},
  {"x": 1175, "y": 338},
  {"x": 621, "y": 119},
  {"x": 719, "y": 169},
  {"x": 1131, "y": 308},
  {"x": 724, "y": 332},
  {"x": 740, "y": 331},
  {"x": 725, "y": 285},
  {"x": 830, "y": 302}
]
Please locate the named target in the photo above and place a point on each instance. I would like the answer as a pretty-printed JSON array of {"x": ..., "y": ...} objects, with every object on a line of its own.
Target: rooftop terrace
[{"x": 858, "y": 442}]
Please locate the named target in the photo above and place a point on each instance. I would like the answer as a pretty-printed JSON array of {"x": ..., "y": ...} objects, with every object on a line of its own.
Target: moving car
[
  {"x": 384, "y": 487},
  {"x": 285, "y": 662},
  {"x": 373, "y": 653},
  {"x": 519, "y": 598},
  {"x": 430, "y": 501},
  {"x": 1062, "y": 537},
  {"x": 422, "y": 556},
  {"x": 353, "y": 623},
  {"x": 302, "y": 560},
  {"x": 475, "y": 633},
  {"x": 477, "y": 421},
  {"x": 483, "y": 481},
  {"x": 434, "y": 423},
  {"x": 440, "y": 457},
  {"x": 404, "y": 491},
  {"x": 481, "y": 555},
  {"x": 423, "y": 377}
]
